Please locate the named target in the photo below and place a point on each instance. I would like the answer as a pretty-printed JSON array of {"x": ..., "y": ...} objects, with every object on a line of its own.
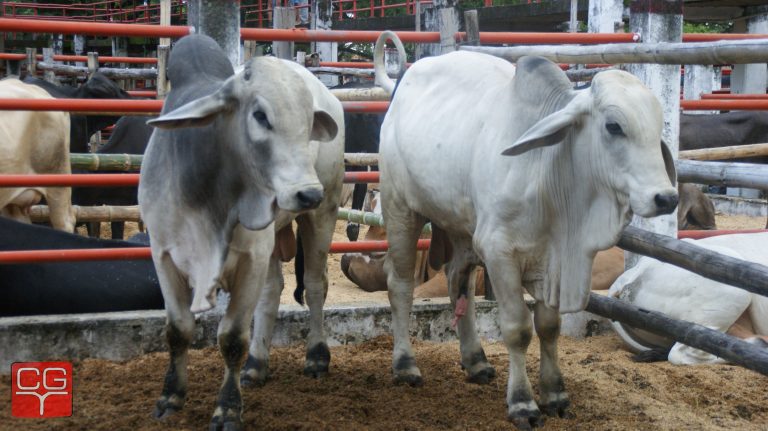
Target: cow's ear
[
  {"x": 669, "y": 163},
  {"x": 197, "y": 113},
  {"x": 553, "y": 128},
  {"x": 324, "y": 127}
]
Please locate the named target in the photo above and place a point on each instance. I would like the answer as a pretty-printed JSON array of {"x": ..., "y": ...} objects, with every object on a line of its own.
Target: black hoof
[
  {"x": 167, "y": 406},
  {"x": 409, "y": 379},
  {"x": 527, "y": 423},
  {"x": 227, "y": 425},
  {"x": 557, "y": 409},
  {"x": 255, "y": 373},
  {"x": 482, "y": 377},
  {"x": 318, "y": 360},
  {"x": 353, "y": 231}
]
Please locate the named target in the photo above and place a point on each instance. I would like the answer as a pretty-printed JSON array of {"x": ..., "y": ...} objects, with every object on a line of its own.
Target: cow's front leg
[
  {"x": 316, "y": 231},
  {"x": 554, "y": 398},
  {"x": 252, "y": 251},
  {"x": 403, "y": 230},
  {"x": 256, "y": 369},
  {"x": 179, "y": 330},
  {"x": 516, "y": 331}
]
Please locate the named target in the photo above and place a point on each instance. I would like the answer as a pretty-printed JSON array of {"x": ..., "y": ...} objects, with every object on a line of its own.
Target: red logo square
[{"x": 41, "y": 389}]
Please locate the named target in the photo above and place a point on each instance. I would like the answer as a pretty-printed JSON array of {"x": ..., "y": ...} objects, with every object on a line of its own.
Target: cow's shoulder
[{"x": 197, "y": 58}]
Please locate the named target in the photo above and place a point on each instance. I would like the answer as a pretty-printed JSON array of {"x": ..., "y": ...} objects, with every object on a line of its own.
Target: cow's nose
[
  {"x": 309, "y": 198},
  {"x": 665, "y": 203}
]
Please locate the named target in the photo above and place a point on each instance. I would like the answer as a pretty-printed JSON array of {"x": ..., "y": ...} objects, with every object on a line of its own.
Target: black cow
[
  {"x": 83, "y": 126},
  {"x": 362, "y": 136},
  {"x": 724, "y": 130},
  {"x": 130, "y": 136},
  {"x": 72, "y": 287}
]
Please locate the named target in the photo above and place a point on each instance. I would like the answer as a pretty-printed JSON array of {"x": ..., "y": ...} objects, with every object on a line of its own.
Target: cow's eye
[
  {"x": 261, "y": 117},
  {"x": 614, "y": 129}
]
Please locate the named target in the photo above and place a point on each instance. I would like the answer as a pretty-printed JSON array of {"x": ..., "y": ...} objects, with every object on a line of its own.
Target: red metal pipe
[
  {"x": 137, "y": 253},
  {"x": 553, "y": 38},
  {"x": 361, "y": 177},
  {"x": 369, "y": 107},
  {"x": 119, "y": 105},
  {"x": 105, "y": 59},
  {"x": 91, "y": 28},
  {"x": 69, "y": 180},
  {"x": 143, "y": 93},
  {"x": 81, "y": 105},
  {"x": 724, "y": 105},
  {"x": 710, "y": 37},
  {"x": 74, "y": 255},
  {"x": 699, "y": 234},
  {"x": 734, "y": 96},
  {"x": 11, "y": 56},
  {"x": 120, "y": 180}
]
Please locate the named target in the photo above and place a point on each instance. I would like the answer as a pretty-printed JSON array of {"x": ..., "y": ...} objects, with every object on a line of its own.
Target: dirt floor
[{"x": 608, "y": 391}]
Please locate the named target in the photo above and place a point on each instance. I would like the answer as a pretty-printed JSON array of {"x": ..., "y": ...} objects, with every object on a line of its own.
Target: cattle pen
[{"x": 126, "y": 335}]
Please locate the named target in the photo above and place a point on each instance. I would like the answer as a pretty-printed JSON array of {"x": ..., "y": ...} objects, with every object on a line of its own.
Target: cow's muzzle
[
  {"x": 309, "y": 198},
  {"x": 665, "y": 202}
]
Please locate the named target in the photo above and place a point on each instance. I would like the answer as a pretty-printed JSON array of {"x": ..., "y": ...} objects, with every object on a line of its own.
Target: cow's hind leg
[
  {"x": 179, "y": 330},
  {"x": 554, "y": 398},
  {"x": 60, "y": 203},
  {"x": 316, "y": 231},
  {"x": 462, "y": 294},
  {"x": 256, "y": 369},
  {"x": 403, "y": 230}
]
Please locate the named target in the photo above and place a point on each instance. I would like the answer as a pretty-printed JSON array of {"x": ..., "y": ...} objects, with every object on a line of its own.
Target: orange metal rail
[
  {"x": 724, "y": 105},
  {"x": 719, "y": 96}
]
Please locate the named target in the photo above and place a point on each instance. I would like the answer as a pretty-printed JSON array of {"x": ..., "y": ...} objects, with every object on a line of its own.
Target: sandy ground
[{"x": 608, "y": 392}]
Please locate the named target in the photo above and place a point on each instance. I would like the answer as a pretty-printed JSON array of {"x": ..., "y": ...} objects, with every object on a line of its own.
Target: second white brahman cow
[
  {"x": 683, "y": 295},
  {"x": 34, "y": 143},
  {"x": 522, "y": 173}
]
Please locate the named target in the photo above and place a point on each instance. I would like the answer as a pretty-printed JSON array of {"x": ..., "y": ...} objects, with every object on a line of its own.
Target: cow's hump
[
  {"x": 539, "y": 80},
  {"x": 197, "y": 57}
]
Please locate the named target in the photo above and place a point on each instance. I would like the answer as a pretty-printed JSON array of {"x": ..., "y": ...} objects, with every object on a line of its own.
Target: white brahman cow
[
  {"x": 683, "y": 295},
  {"x": 242, "y": 157},
  {"x": 34, "y": 143},
  {"x": 522, "y": 173}
]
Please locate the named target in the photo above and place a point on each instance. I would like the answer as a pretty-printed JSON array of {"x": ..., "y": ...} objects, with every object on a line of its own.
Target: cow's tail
[
  {"x": 382, "y": 79},
  {"x": 298, "y": 267}
]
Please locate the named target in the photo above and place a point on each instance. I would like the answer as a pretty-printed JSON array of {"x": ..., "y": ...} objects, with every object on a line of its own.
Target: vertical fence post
[
  {"x": 418, "y": 17},
  {"x": 162, "y": 78},
  {"x": 165, "y": 19},
  {"x": 328, "y": 51},
  {"x": 284, "y": 18},
  {"x": 221, "y": 21},
  {"x": 472, "y": 27},
  {"x": 93, "y": 66},
  {"x": 659, "y": 21},
  {"x": 49, "y": 75},
  {"x": 31, "y": 61}
]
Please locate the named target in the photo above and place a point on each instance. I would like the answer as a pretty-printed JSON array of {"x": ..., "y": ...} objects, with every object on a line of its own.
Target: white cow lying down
[{"x": 683, "y": 295}]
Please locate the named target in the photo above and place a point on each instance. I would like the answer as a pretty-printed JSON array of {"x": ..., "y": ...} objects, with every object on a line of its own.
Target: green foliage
[{"x": 708, "y": 27}]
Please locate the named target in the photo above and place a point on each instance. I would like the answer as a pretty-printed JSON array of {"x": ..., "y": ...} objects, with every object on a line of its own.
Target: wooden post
[
  {"x": 472, "y": 27},
  {"x": 730, "y": 174},
  {"x": 284, "y": 18},
  {"x": 78, "y": 44},
  {"x": 165, "y": 19},
  {"x": 573, "y": 23},
  {"x": 120, "y": 49},
  {"x": 659, "y": 21},
  {"x": 322, "y": 19},
  {"x": 418, "y": 18},
  {"x": 301, "y": 57},
  {"x": 49, "y": 75},
  {"x": 251, "y": 49},
  {"x": 441, "y": 17},
  {"x": 31, "y": 61},
  {"x": 698, "y": 79},
  {"x": 93, "y": 65},
  {"x": 724, "y": 346},
  {"x": 221, "y": 21},
  {"x": 162, "y": 78}
]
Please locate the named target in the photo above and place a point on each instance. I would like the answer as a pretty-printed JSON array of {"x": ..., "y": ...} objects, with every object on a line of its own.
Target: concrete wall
[{"x": 126, "y": 335}]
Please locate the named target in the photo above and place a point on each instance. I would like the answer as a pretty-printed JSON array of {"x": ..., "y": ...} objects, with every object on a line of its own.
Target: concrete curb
[
  {"x": 739, "y": 206},
  {"x": 125, "y": 335}
]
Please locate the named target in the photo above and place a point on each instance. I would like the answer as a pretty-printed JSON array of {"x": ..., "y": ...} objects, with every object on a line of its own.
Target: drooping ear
[
  {"x": 197, "y": 113},
  {"x": 669, "y": 163},
  {"x": 324, "y": 127},
  {"x": 553, "y": 128}
]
